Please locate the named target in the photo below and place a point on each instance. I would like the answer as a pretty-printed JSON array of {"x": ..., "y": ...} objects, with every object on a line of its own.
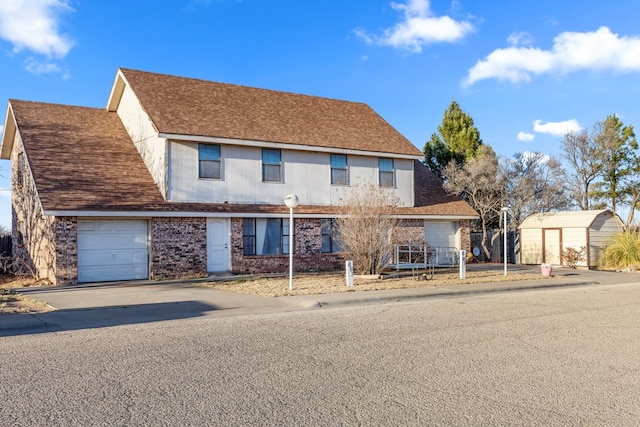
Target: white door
[
  {"x": 112, "y": 250},
  {"x": 218, "y": 244}
]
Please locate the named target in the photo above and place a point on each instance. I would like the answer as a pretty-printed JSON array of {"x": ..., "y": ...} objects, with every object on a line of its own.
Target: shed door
[
  {"x": 552, "y": 242},
  {"x": 112, "y": 250}
]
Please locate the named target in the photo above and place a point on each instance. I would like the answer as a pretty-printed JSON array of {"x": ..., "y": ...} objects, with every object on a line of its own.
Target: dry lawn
[
  {"x": 311, "y": 284},
  {"x": 13, "y": 302}
]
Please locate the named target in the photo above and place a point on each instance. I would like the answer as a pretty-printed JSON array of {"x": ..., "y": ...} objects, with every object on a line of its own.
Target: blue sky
[{"x": 526, "y": 71}]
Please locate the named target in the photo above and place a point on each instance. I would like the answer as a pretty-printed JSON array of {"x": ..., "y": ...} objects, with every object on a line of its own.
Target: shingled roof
[
  {"x": 199, "y": 108},
  {"x": 82, "y": 158}
]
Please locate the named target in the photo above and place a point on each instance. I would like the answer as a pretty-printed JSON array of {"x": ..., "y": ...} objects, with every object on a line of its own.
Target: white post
[
  {"x": 291, "y": 201},
  {"x": 463, "y": 263},
  {"x": 505, "y": 239},
  {"x": 290, "y": 249},
  {"x": 349, "y": 272}
]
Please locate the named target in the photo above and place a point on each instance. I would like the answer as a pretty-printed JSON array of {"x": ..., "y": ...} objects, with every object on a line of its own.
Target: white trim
[
  {"x": 284, "y": 146},
  {"x": 165, "y": 214}
]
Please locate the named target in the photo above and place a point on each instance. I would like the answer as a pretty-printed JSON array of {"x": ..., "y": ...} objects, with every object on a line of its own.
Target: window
[
  {"x": 20, "y": 177},
  {"x": 265, "y": 236},
  {"x": 249, "y": 236},
  {"x": 271, "y": 165},
  {"x": 385, "y": 172},
  {"x": 339, "y": 169},
  {"x": 329, "y": 243},
  {"x": 209, "y": 161}
]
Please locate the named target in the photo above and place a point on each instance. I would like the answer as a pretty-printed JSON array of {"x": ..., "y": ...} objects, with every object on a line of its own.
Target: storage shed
[{"x": 544, "y": 237}]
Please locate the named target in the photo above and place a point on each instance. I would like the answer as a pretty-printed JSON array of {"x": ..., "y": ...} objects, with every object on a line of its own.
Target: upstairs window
[
  {"x": 385, "y": 172},
  {"x": 209, "y": 161},
  {"x": 271, "y": 165},
  {"x": 339, "y": 169}
]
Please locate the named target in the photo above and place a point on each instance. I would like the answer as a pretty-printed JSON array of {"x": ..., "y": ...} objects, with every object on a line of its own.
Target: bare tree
[
  {"x": 533, "y": 183},
  {"x": 583, "y": 152},
  {"x": 480, "y": 183},
  {"x": 366, "y": 227}
]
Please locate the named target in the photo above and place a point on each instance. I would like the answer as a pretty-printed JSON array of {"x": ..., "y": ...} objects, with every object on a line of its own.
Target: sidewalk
[{"x": 111, "y": 304}]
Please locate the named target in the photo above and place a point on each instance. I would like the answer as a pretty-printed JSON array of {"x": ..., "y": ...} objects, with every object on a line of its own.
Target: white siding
[
  {"x": 531, "y": 246},
  {"x": 575, "y": 238},
  {"x": 145, "y": 137},
  {"x": 307, "y": 174},
  {"x": 602, "y": 229}
]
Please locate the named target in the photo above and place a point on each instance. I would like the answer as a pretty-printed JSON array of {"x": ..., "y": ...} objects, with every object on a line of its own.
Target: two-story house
[{"x": 181, "y": 177}]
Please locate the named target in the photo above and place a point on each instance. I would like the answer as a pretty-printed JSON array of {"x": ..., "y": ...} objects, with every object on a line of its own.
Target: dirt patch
[
  {"x": 307, "y": 284},
  {"x": 13, "y": 302}
]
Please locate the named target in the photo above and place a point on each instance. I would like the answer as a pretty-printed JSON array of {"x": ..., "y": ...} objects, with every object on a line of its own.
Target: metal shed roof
[{"x": 565, "y": 219}]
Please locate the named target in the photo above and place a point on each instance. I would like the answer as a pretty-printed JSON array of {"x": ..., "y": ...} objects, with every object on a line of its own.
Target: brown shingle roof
[
  {"x": 432, "y": 199},
  {"x": 82, "y": 158},
  {"x": 185, "y": 106}
]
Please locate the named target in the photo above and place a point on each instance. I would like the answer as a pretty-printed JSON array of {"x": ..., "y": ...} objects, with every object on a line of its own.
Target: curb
[{"x": 319, "y": 303}]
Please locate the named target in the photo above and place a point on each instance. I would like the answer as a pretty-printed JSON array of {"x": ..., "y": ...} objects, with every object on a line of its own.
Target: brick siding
[{"x": 178, "y": 248}]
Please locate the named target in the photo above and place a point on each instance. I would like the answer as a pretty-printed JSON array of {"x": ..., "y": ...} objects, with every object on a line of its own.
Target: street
[{"x": 568, "y": 356}]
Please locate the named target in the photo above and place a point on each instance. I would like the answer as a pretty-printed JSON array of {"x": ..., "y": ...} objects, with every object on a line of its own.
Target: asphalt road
[{"x": 567, "y": 356}]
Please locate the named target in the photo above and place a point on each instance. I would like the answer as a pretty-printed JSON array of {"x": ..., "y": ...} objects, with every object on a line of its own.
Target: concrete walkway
[{"x": 121, "y": 303}]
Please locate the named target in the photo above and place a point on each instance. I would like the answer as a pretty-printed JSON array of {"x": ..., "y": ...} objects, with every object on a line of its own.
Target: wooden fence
[{"x": 497, "y": 249}]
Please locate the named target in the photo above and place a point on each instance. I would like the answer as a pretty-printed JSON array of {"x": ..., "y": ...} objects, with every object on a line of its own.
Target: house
[
  {"x": 180, "y": 177},
  {"x": 545, "y": 236}
]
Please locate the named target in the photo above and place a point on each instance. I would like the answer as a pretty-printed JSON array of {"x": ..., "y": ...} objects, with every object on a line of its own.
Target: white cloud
[
  {"x": 36, "y": 67},
  {"x": 597, "y": 50},
  {"x": 557, "y": 128},
  {"x": 33, "y": 25},
  {"x": 418, "y": 28},
  {"x": 520, "y": 39},
  {"x": 532, "y": 156},
  {"x": 523, "y": 136}
]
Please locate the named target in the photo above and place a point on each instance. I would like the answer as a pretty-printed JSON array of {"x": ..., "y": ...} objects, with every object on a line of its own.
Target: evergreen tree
[{"x": 457, "y": 140}]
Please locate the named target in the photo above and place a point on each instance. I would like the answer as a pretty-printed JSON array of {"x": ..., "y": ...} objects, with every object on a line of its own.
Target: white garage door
[
  {"x": 441, "y": 234},
  {"x": 112, "y": 250}
]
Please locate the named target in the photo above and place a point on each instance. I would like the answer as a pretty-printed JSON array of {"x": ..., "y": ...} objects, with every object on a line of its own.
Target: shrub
[
  {"x": 622, "y": 251},
  {"x": 573, "y": 256}
]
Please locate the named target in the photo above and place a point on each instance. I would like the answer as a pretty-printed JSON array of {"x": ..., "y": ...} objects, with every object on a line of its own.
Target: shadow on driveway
[{"x": 100, "y": 317}]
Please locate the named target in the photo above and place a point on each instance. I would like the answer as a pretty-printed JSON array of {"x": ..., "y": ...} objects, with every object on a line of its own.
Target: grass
[
  {"x": 322, "y": 283},
  {"x": 12, "y": 302}
]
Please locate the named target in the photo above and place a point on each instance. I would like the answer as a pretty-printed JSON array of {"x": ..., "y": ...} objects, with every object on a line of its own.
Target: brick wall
[
  {"x": 178, "y": 248},
  {"x": 32, "y": 232},
  {"x": 66, "y": 248},
  {"x": 465, "y": 234},
  {"x": 409, "y": 231}
]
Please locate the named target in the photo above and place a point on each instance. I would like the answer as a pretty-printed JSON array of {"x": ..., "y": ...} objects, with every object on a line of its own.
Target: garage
[
  {"x": 110, "y": 250},
  {"x": 442, "y": 236}
]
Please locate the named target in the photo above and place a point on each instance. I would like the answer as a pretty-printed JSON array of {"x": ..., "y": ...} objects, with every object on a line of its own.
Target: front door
[{"x": 218, "y": 244}]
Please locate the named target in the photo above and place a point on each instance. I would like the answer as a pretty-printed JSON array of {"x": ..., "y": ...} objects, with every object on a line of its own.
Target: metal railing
[{"x": 410, "y": 256}]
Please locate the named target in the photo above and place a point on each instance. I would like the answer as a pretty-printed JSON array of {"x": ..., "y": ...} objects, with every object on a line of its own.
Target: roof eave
[
  {"x": 284, "y": 145},
  {"x": 8, "y": 135},
  {"x": 116, "y": 91}
]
